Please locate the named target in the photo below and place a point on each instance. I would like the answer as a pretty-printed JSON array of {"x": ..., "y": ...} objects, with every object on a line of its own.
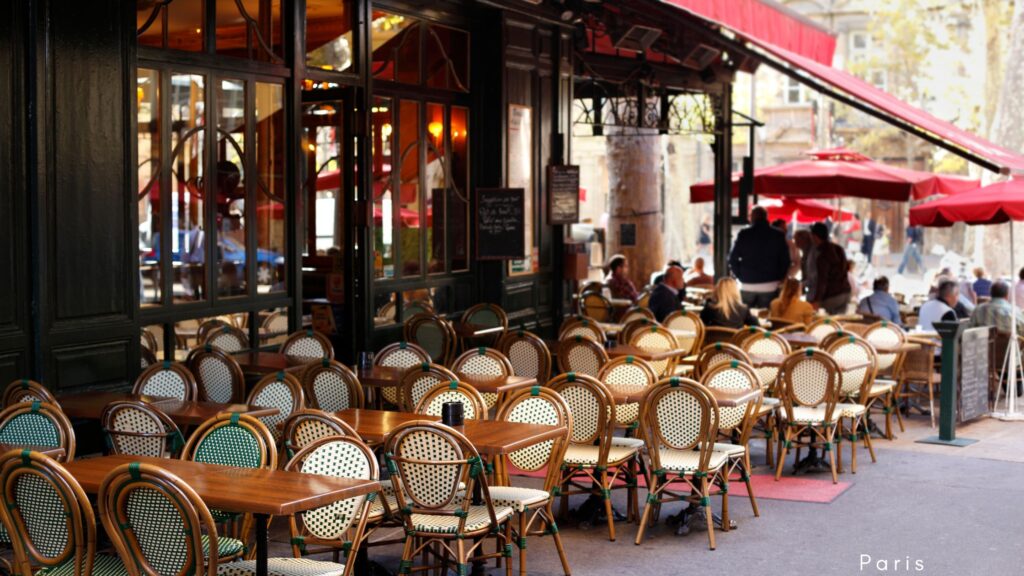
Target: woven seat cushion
[
  {"x": 579, "y": 455},
  {"x": 637, "y": 443},
  {"x": 226, "y": 547},
  {"x": 477, "y": 520},
  {"x": 283, "y": 567},
  {"x": 686, "y": 461},
  {"x": 377, "y": 507},
  {"x": 811, "y": 415},
  {"x": 516, "y": 498},
  {"x": 769, "y": 401},
  {"x": 881, "y": 387},
  {"x": 103, "y": 565},
  {"x": 731, "y": 450},
  {"x": 849, "y": 410}
]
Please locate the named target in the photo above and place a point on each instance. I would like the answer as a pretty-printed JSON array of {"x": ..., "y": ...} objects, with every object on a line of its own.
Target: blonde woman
[
  {"x": 725, "y": 308},
  {"x": 789, "y": 306}
]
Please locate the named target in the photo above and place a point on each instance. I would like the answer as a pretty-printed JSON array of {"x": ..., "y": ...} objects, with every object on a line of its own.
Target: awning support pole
[{"x": 723, "y": 180}]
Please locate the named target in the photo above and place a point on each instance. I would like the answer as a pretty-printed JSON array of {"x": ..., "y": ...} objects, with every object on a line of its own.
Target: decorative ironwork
[{"x": 635, "y": 105}]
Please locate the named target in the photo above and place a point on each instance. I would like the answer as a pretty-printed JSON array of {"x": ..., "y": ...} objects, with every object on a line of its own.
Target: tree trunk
[{"x": 634, "y": 197}]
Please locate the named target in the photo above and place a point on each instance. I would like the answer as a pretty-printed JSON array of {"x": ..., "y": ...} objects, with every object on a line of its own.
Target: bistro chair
[
  {"x": 657, "y": 339},
  {"x": 855, "y": 392},
  {"x": 208, "y": 326},
  {"x": 742, "y": 334},
  {"x": 227, "y": 338},
  {"x": 632, "y": 327},
  {"x": 331, "y": 386},
  {"x": 140, "y": 429},
  {"x": 434, "y": 334},
  {"x": 636, "y": 313},
  {"x": 784, "y": 325},
  {"x": 527, "y": 353},
  {"x": 307, "y": 344},
  {"x": 26, "y": 390},
  {"x": 402, "y": 355},
  {"x": 736, "y": 422},
  {"x": 595, "y": 305},
  {"x": 274, "y": 327},
  {"x": 917, "y": 376},
  {"x": 885, "y": 335},
  {"x": 148, "y": 340},
  {"x": 218, "y": 376},
  {"x": 489, "y": 316},
  {"x": 718, "y": 353},
  {"x": 51, "y": 518},
  {"x": 585, "y": 327},
  {"x": 438, "y": 470},
  {"x": 339, "y": 527},
  {"x": 473, "y": 404},
  {"x": 679, "y": 420},
  {"x": 146, "y": 358},
  {"x": 822, "y": 327},
  {"x": 809, "y": 390},
  {"x": 309, "y": 425},
  {"x": 418, "y": 381},
  {"x": 282, "y": 391},
  {"x": 686, "y": 320},
  {"x": 166, "y": 380},
  {"x": 627, "y": 375},
  {"x": 715, "y": 334},
  {"x": 593, "y": 464},
  {"x": 414, "y": 307},
  {"x": 533, "y": 507},
  {"x": 485, "y": 363},
  {"x": 644, "y": 300},
  {"x": 37, "y": 424},
  {"x": 766, "y": 343},
  {"x": 582, "y": 356}
]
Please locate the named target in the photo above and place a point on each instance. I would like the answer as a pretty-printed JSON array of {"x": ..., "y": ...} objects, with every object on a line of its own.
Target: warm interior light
[
  {"x": 435, "y": 129},
  {"x": 140, "y": 94},
  {"x": 385, "y": 131},
  {"x": 312, "y": 147}
]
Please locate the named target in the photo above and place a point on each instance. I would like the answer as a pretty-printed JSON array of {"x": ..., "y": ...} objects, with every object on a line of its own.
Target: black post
[
  {"x": 723, "y": 179},
  {"x": 950, "y": 332}
]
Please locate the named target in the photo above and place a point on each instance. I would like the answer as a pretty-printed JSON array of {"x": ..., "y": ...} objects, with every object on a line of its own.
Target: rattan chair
[
  {"x": 331, "y": 386},
  {"x": 473, "y": 404},
  {"x": 227, "y": 338},
  {"x": 582, "y": 356},
  {"x": 51, "y": 518},
  {"x": 282, "y": 391},
  {"x": 418, "y": 381},
  {"x": 686, "y": 320},
  {"x": 148, "y": 340},
  {"x": 274, "y": 327},
  {"x": 38, "y": 424},
  {"x": 742, "y": 334},
  {"x": 630, "y": 375},
  {"x": 593, "y": 464},
  {"x": 307, "y": 345},
  {"x": 166, "y": 380},
  {"x": 679, "y": 420},
  {"x": 918, "y": 370},
  {"x": 140, "y": 429},
  {"x": 414, "y": 307},
  {"x": 402, "y": 355},
  {"x": 767, "y": 343},
  {"x": 26, "y": 390},
  {"x": 657, "y": 339},
  {"x": 218, "y": 376},
  {"x": 809, "y": 390},
  {"x": 308, "y": 425},
  {"x": 715, "y": 334},
  {"x": 586, "y": 327},
  {"x": 438, "y": 470},
  {"x": 527, "y": 353},
  {"x": 854, "y": 393},
  {"x": 434, "y": 334},
  {"x": 595, "y": 305},
  {"x": 485, "y": 362},
  {"x": 632, "y": 327},
  {"x": 886, "y": 335},
  {"x": 717, "y": 353},
  {"x": 636, "y": 313},
  {"x": 487, "y": 315},
  {"x": 208, "y": 326},
  {"x": 823, "y": 327},
  {"x": 146, "y": 358},
  {"x": 534, "y": 516}
]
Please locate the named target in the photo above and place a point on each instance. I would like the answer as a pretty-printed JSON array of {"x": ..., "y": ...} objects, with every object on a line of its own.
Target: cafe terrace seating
[
  {"x": 307, "y": 345},
  {"x": 168, "y": 380},
  {"x": 140, "y": 429},
  {"x": 810, "y": 389},
  {"x": 527, "y": 353},
  {"x": 399, "y": 355},
  {"x": 581, "y": 355},
  {"x": 855, "y": 392},
  {"x": 26, "y": 390},
  {"x": 218, "y": 376},
  {"x": 585, "y": 327},
  {"x": 331, "y": 386},
  {"x": 419, "y": 380},
  {"x": 227, "y": 338},
  {"x": 484, "y": 362},
  {"x": 433, "y": 334},
  {"x": 473, "y": 404},
  {"x": 309, "y": 425}
]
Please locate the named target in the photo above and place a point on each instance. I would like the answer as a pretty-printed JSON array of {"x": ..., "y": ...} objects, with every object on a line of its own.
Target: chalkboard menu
[
  {"x": 563, "y": 194},
  {"x": 973, "y": 374},
  {"x": 627, "y": 234},
  {"x": 499, "y": 223}
]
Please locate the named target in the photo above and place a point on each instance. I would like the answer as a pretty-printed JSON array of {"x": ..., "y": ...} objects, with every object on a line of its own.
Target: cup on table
[
  {"x": 452, "y": 414},
  {"x": 366, "y": 359}
]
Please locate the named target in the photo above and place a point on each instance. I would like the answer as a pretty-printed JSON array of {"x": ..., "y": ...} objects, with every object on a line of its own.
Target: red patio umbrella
[
  {"x": 840, "y": 172},
  {"x": 805, "y": 209}
]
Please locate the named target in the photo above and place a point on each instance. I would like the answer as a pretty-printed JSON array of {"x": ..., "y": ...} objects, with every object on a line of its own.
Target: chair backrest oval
[
  {"x": 309, "y": 425},
  {"x": 482, "y": 362},
  {"x": 146, "y": 358},
  {"x": 852, "y": 348},
  {"x": 630, "y": 328},
  {"x": 232, "y": 439},
  {"x": 810, "y": 377},
  {"x": 539, "y": 405},
  {"x": 280, "y": 390},
  {"x": 208, "y": 326},
  {"x": 157, "y": 522},
  {"x": 166, "y": 379},
  {"x": 218, "y": 376},
  {"x": 822, "y": 327},
  {"x": 657, "y": 339},
  {"x": 331, "y": 386},
  {"x": 596, "y": 306},
  {"x": 766, "y": 343},
  {"x": 487, "y": 315},
  {"x": 26, "y": 390},
  {"x": 433, "y": 333},
  {"x": 139, "y": 429},
  {"x": 399, "y": 355},
  {"x": 473, "y": 404},
  {"x": 430, "y": 465},
  {"x": 627, "y": 374},
  {"x": 582, "y": 356},
  {"x": 738, "y": 377},
  {"x": 414, "y": 307},
  {"x": 679, "y": 414},
  {"x": 148, "y": 340},
  {"x": 591, "y": 405},
  {"x": 527, "y": 353},
  {"x": 418, "y": 381},
  {"x": 39, "y": 424},
  {"x": 228, "y": 339},
  {"x": 635, "y": 313},
  {"x": 685, "y": 320},
  {"x": 307, "y": 344},
  {"x": 49, "y": 520},
  {"x": 885, "y": 334},
  {"x": 274, "y": 325},
  {"x": 717, "y": 353},
  {"x": 746, "y": 332},
  {"x": 585, "y": 327}
]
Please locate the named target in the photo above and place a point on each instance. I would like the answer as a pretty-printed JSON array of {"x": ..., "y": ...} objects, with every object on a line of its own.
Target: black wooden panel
[
  {"x": 97, "y": 364},
  {"x": 12, "y": 366},
  {"x": 13, "y": 299}
]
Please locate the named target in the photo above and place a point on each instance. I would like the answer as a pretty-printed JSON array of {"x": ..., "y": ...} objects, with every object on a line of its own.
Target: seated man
[
  {"x": 696, "y": 276},
  {"x": 880, "y": 303},
  {"x": 667, "y": 296},
  {"x": 618, "y": 281},
  {"x": 998, "y": 312},
  {"x": 939, "y": 308}
]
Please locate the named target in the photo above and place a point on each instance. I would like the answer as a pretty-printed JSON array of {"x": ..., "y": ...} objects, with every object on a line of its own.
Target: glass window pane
[
  {"x": 250, "y": 29},
  {"x": 384, "y": 306},
  {"x": 396, "y": 48},
  {"x": 322, "y": 144},
  {"x": 180, "y": 22},
  {"x": 458, "y": 190},
  {"x": 188, "y": 163},
  {"x": 447, "y": 58},
  {"x": 417, "y": 301},
  {"x": 270, "y": 188},
  {"x": 437, "y": 183},
  {"x": 382, "y": 132},
  {"x": 148, "y": 147},
  {"x": 329, "y": 43},
  {"x": 409, "y": 186},
  {"x": 230, "y": 189}
]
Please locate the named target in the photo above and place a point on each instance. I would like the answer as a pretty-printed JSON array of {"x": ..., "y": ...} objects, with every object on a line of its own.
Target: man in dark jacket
[
  {"x": 759, "y": 260},
  {"x": 833, "y": 289},
  {"x": 667, "y": 296}
]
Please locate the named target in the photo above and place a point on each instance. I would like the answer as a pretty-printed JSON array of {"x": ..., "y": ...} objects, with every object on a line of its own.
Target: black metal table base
[
  {"x": 812, "y": 463},
  {"x": 693, "y": 517}
]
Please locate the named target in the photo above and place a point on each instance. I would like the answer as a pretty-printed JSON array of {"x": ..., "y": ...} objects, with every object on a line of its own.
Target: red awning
[
  {"x": 894, "y": 110},
  {"x": 767, "y": 21}
]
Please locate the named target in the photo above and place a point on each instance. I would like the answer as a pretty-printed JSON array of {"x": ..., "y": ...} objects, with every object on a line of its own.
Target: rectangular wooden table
[
  {"x": 725, "y": 398},
  {"x": 264, "y": 493},
  {"x": 500, "y": 385},
  {"x": 90, "y": 406},
  {"x": 799, "y": 339},
  {"x": 626, "y": 350},
  {"x": 52, "y": 452},
  {"x": 259, "y": 363}
]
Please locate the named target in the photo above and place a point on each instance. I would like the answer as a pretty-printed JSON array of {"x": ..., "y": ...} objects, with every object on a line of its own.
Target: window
[
  {"x": 329, "y": 41},
  {"x": 795, "y": 92},
  {"x": 860, "y": 41},
  {"x": 443, "y": 62},
  {"x": 177, "y": 25},
  {"x": 877, "y": 77}
]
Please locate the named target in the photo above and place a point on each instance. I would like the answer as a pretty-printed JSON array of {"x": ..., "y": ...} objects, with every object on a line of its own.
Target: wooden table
[
  {"x": 725, "y": 398},
  {"x": 378, "y": 377},
  {"x": 799, "y": 339},
  {"x": 776, "y": 360},
  {"x": 190, "y": 413},
  {"x": 488, "y": 436},
  {"x": 90, "y": 405},
  {"x": 264, "y": 493},
  {"x": 259, "y": 363},
  {"x": 904, "y": 347},
  {"x": 650, "y": 355},
  {"x": 501, "y": 385},
  {"x": 470, "y": 330},
  {"x": 611, "y": 329},
  {"x": 52, "y": 452},
  {"x": 621, "y": 302}
]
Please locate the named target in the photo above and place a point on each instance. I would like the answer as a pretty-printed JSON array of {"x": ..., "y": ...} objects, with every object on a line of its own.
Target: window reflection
[
  {"x": 396, "y": 48},
  {"x": 250, "y": 29},
  {"x": 409, "y": 187},
  {"x": 322, "y": 144},
  {"x": 188, "y": 237},
  {"x": 270, "y": 191},
  {"x": 230, "y": 188},
  {"x": 458, "y": 190},
  {"x": 329, "y": 34},
  {"x": 383, "y": 218},
  {"x": 437, "y": 183},
  {"x": 148, "y": 146},
  {"x": 177, "y": 25}
]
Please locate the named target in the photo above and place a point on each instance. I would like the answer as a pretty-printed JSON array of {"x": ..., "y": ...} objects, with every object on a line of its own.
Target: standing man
[
  {"x": 915, "y": 239},
  {"x": 867, "y": 241},
  {"x": 759, "y": 260},
  {"x": 667, "y": 296},
  {"x": 833, "y": 287}
]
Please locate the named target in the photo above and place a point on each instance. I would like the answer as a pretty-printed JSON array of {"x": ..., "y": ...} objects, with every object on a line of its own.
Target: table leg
[{"x": 262, "y": 543}]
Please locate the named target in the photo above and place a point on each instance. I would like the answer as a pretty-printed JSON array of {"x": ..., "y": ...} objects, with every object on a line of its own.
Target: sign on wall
[
  {"x": 563, "y": 194},
  {"x": 499, "y": 223}
]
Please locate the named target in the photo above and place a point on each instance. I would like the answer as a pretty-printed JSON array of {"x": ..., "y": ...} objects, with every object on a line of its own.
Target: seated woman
[
  {"x": 789, "y": 306},
  {"x": 725, "y": 308}
]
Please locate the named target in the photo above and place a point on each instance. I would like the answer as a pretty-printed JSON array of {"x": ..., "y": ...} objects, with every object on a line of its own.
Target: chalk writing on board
[
  {"x": 563, "y": 194},
  {"x": 499, "y": 223},
  {"x": 974, "y": 360}
]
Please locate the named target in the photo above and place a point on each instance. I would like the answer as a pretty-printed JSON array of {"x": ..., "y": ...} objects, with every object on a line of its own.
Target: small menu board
[
  {"x": 973, "y": 374},
  {"x": 500, "y": 232},
  {"x": 627, "y": 234},
  {"x": 563, "y": 194}
]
